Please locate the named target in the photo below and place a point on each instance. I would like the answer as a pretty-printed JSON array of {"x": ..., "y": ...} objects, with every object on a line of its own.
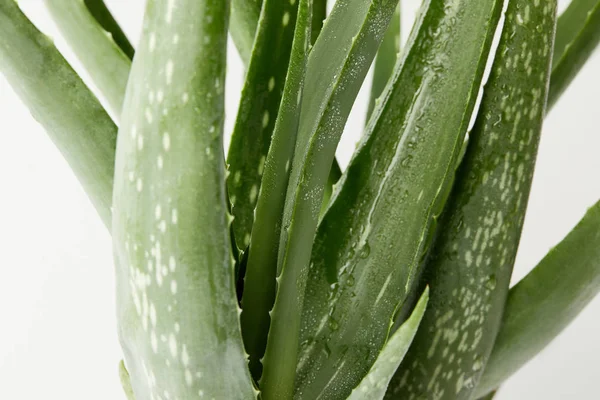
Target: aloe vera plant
[{"x": 265, "y": 271}]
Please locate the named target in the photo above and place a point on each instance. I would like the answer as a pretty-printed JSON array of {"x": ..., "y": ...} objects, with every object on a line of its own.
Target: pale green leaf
[
  {"x": 177, "y": 307},
  {"x": 59, "y": 100},
  {"x": 105, "y": 62}
]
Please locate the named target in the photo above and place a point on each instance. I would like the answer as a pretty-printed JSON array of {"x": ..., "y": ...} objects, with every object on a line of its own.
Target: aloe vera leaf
[
  {"x": 177, "y": 308},
  {"x": 375, "y": 383},
  {"x": 385, "y": 60},
  {"x": 543, "y": 303},
  {"x": 374, "y": 233},
  {"x": 471, "y": 263},
  {"x": 107, "y": 65},
  {"x": 125, "y": 381},
  {"x": 244, "y": 20},
  {"x": 259, "y": 106},
  {"x": 259, "y": 283},
  {"x": 336, "y": 67},
  {"x": 103, "y": 16},
  {"x": 578, "y": 34},
  {"x": 59, "y": 100}
]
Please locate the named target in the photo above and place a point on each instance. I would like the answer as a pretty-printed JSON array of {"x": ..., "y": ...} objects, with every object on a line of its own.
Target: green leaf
[
  {"x": 375, "y": 231},
  {"x": 103, "y": 16},
  {"x": 471, "y": 263},
  {"x": 578, "y": 34},
  {"x": 385, "y": 60},
  {"x": 259, "y": 106},
  {"x": 59, "y": 100},
  {"x": 541, "y": 305},
  {"x": 177, "y": 307},
  {"x": 268, "y": 77},
  {"x": 375, "y": 383},
  {"x": 244, "y": 20},
  {"x": 107, "y": 65},
  {"x": 336, "y": 67}
]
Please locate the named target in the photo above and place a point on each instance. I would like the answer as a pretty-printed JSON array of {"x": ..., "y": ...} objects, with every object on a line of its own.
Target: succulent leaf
[
  {"x": 177, "y": 307},
  {"x": 60, "y": 101},
  {"x": 258, "y": 110},
  {"x": 577, "y": 36},
  {"x": 259, "y": 284},
  {"x": 336, "y": 67},
  {"x": 543, "y": 303},
  {"x": 375, "y": 231},
  {"x": 375, "y": 383},
  {"x": 470, "y": 265},
  {"x": 107, "y": 65}
]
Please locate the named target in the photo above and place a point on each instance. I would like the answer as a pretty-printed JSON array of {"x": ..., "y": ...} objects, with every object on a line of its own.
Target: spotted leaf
[
  {"x": 543, "y": 303},
  {"x": 374, "y": 233},
  {"x": 177, "y": 308},
  {"x": 470, "y": 266}
]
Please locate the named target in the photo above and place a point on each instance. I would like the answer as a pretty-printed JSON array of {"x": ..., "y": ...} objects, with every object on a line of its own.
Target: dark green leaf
[
  {"x": 336, "y": 68},
  {"x": 375, "y": 231},
  {"x": 470, "y": 266},
  {"x": 541, "y": 305},
  {"x": 259, "y": 284},
  {"x": 578, "y": 34},
  {"x": 258, "y": 111}
]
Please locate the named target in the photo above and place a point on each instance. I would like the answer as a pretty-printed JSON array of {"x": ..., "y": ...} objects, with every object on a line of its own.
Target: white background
[{"x": 58, "y": 331}]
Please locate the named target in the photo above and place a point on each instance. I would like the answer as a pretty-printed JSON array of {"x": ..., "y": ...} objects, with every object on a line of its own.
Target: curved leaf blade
[
  {"x": 471, "y": 263},
  {"x": 107, "y": 65},
  {"x": 543, "y": 303},
  {"x": 258, "y": 110},
  {"x": 259, "y": 284},
  {"x": 177, "y": 307},
  {"x": 59, "y": 100},
  {"x": 336, "y": 67},
  {"x": 375, "y": 231},
  {"x": 374, "y": 384},
  {"x": 578, "y": 35}
]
